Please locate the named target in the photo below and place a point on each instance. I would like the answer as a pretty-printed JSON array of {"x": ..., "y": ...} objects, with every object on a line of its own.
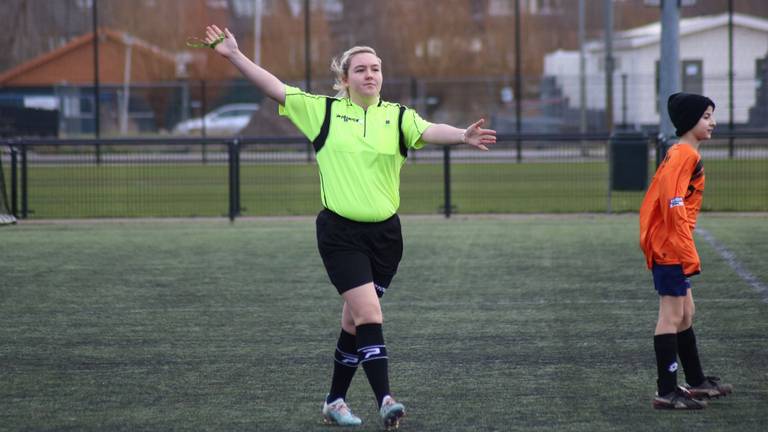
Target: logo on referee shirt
[{"x": 347, "y": 118}]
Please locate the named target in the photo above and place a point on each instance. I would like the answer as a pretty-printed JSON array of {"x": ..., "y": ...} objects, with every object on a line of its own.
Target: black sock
[
  {"x": 373, "y": 356},
  {"x": 344, "y": 366},
  {"x": 665, "y": 346},
  {"x": 689, "y": 357}
]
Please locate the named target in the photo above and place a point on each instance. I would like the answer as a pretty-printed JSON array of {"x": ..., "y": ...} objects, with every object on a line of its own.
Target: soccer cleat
[
  {"x": 391, "y": 411},
  {"x": 710, "y": 388},
  {"x": 680, "y": 399},
  {"x": 338, "y": 413}
]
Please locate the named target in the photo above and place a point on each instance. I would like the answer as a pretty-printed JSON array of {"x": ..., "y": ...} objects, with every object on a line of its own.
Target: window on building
[
  {"x": 760, "y": 72},
  {"x": 434, "y": 47},
  {"x": 691, "y": 78},
  {"x": 616, "y": 64},
  {"x": 476, "y": 8},
  {"x": 546, "y": 7},
  {"x": 217, "y": 4},
  {"x": 500, "y": 8}
]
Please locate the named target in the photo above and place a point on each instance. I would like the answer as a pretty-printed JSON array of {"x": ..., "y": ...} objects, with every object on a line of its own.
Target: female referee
[{"x": 361, "y": 144}]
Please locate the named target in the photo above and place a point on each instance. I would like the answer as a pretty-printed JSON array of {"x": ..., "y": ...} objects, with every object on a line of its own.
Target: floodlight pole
[
  {"x": 518, "y": 85},
  {"x": 608, "y": 8},
  {"x": 307, "y": 56},
  {"x": 258, "y": 5},
  {"x": 669, "y": 72},
  {"x": 96, "y": 90},
  {"x": 608, "y": 16},
  {"x": 730, "y": 78},
  {"x": 307, "y": 64},
  {"x": 582, "y": 75},
  {"x": 582, "y": 69}
]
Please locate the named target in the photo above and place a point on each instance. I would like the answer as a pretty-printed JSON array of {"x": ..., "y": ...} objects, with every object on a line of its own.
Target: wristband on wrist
[{"x": 194, "y": 42}]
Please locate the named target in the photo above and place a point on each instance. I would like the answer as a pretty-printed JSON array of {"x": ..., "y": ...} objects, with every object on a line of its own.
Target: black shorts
[
  {"x": 356, "y": 253},
  {"x": 669, "y": 280}
]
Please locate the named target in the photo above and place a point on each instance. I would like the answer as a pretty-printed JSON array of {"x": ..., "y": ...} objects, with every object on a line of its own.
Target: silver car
[{"x": 224, "y": 120}]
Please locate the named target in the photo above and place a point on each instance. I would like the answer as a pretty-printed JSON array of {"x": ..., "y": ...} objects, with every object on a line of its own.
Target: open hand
[
  {"x": 226, "y": 47},
  {"x": 478, "y": 137}
]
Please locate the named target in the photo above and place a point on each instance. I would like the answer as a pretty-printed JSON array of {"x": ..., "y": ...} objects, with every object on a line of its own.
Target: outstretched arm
[
  {"x": 262, "y": 78},
  {"x": 474, "y": 135}
]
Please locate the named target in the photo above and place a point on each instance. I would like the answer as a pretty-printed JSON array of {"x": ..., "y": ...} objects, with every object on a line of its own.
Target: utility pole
[
  {"x": 582, "y": 74},
  {"x": 307, "y": 56},
  {"x": 608, "y": 8},
  {"x": 518, "y": 84},
  {"x": 730, "y": 78},
  {"x": 582, "y": 68},
  {"x": 96, "y": 90},
  {"x": 669, "y": 72},
  {"x": 257, "y": 8},
  {"x": 307, "y": 64}
]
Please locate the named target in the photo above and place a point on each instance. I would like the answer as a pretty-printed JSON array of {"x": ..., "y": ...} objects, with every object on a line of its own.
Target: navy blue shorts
[
  {"x": 669, "y": 280},
  {"x": 356, "y": 253}
]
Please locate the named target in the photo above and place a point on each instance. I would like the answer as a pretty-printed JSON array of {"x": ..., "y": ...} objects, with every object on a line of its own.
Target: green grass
[
  {"x": 162, "y": 190},
  {"x": 493, "y": 323}
]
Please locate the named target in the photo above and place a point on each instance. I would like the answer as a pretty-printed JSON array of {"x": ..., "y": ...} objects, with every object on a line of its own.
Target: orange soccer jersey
[{"x": 670, "y": 208}]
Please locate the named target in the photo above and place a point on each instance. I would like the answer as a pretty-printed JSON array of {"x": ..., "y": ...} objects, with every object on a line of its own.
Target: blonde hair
[{"x": 340, "y": 67}]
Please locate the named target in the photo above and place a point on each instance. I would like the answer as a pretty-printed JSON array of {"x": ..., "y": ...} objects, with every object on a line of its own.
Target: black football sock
[
  {"x": 344, "y": 366},
  {"x": 373, "y": 356},
  {"x": 665, "y": 346},
  {"x": 689, "y": 357}
]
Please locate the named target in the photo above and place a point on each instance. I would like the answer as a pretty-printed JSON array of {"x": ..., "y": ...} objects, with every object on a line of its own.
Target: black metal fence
[{"x": 188, "y": 177}]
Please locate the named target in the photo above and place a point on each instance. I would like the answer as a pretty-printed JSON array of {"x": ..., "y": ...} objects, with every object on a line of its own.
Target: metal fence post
[
  {"x": 24, "y": 192},
  {"x": 609, "y": 195},
  {"x": 447, "y": 180},
  {"x": 237, "y": 177},
  {"x": 203, "y": 112},
  {"x": 234, "y": 178},
  {"x": 14, "y": 182}
]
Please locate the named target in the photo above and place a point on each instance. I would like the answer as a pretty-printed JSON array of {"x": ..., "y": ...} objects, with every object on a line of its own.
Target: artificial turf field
[{"x": 538, "y": 322}]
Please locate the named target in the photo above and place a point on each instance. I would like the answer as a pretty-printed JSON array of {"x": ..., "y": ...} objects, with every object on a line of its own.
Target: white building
[{"x": 704, "y": 58}]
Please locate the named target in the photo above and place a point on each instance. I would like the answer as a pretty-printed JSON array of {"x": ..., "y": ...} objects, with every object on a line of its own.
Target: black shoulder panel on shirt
[
  {"x": 319, "y": 140},
  {"x": 698, "y": 171},
  {"x": 403, "y": 147}
]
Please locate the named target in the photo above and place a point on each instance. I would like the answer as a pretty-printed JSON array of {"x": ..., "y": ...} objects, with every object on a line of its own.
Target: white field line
[
  {"x": 735, "y": 264},
  {"x": 431, "y": 304}
]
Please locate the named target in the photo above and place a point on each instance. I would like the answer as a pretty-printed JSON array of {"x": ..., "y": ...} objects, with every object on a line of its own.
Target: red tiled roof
[{"x": 117, "y": 36}]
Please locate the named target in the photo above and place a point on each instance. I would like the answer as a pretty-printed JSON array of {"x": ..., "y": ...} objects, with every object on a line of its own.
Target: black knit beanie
[{"x": 685, "y": 110}]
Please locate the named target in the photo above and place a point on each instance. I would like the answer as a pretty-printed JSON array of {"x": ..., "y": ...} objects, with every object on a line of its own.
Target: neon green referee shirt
[{"x": 360, "y": 162}]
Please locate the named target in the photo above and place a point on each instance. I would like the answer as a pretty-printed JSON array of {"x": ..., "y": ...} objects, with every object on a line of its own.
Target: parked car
[{"x": 224, "y": 120}]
